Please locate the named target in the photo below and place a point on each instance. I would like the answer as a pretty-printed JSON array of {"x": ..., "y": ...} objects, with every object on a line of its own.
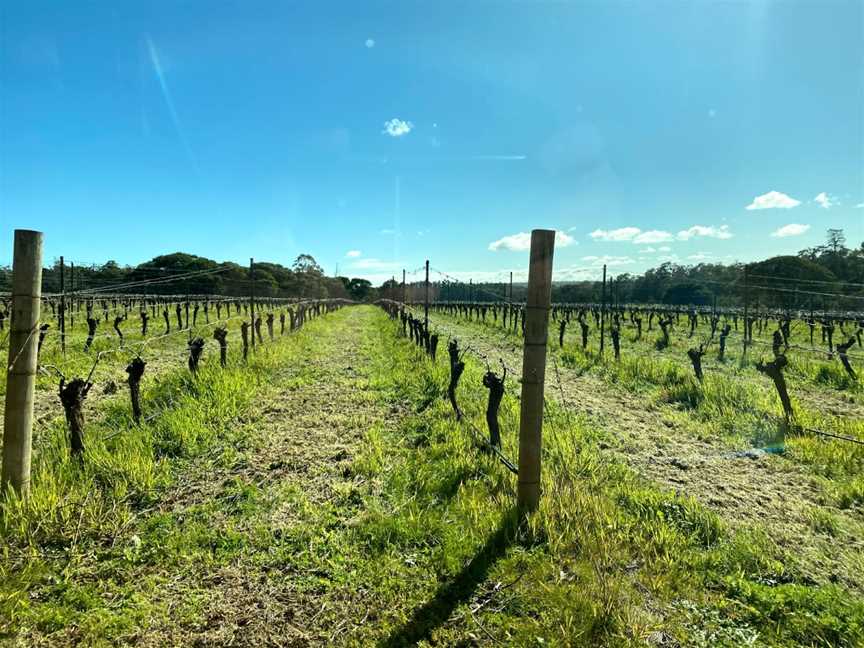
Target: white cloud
[
  {"x": 701, "y": 256},
  {"x": 389, "y": 232},
  {"x": 696, "y": 231},
  {"x": 353, "y": 254},
  {"x": 665, "y": 248},
  {"x": 647, "y": 250},
  {"x": 370, "y": 43},
  {"x": 397, "y": 127},
  {"x": 621, "y": 234},
  {"x": 859, "y": 206},
  {"x": 825, "y": 201},
  {"x": 653, "y": 236},
  {"x": 522, "y": 241},
  {"x": 792, "y": 229},
  {"x": 773, "y": 200},
  {"x": 633, "y": 234},
  {"x": 671, "y": 258},
  {"x": 377, "y": 264},
  {"x": 609, "y": 261}
]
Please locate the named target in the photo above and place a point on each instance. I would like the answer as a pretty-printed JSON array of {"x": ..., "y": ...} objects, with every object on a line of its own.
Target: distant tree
[
  {"x": 688, "y": 293},
  {"x": 306, "y": 264},
  {"x": 359, "y": 289},
  {"x": 835, "y": 241}
]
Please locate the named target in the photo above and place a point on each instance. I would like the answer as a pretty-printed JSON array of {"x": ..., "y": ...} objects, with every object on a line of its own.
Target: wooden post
[
  {"x": 252, "y": 297},
  {"x": 534, "y": 367},
  {"x": 746, "y": 309},
  {"x": 21, "y": 376},
  {"x": 403, "y": 287},
  {"x": 511, "y": 288},
  {"x": 603, "y": 312},
  {"x": 62, "y": 306},
  {"x": 426, "y": 301},
  {"x": 72, "y": 288}
]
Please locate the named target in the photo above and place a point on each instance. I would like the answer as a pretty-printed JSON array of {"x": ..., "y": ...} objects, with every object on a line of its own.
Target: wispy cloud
[
  {"x": 376, "y": 264},
  {"x": 792, "y": 229},
  {"x": 608, "y": 261},
  {"x": 773, "y": 200},
  {"x": 353, "y": 254},
  {"x": 621, "y": 234},
  {"x": 825, "y": 201},
  {"x": 708, "y": 231},
  {"x": 859, "y": 206},
  {"x": 700, "y": 256},
  {"x": 387, "y": 231},
  {"x": 397, "y": 127},
  {"x": 652, "y": 236},
  {"x": 169, "y": 102},
  {"x": 502, "y": 158},
  {"x": 632, "y": 234},
  {"x": 370, "y": 43},
  {"x": 522, "y": 241}
]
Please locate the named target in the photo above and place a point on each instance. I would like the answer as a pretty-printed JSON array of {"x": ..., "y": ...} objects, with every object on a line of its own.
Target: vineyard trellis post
[
  {"x": 62, "y": 306},
  {"x": 403, "y": 287},
  {"x": 746, "y": 310},
  {"x": 603, "y": 312},
  {"x": 534, "y": 367},
  {"x": 252, "y": 297},
  {"x": 21, "y": 369},
  {"x": 511, "y": 287},
  {"x": 426, "y": 299},
  {"x": 72, "y": 291}
]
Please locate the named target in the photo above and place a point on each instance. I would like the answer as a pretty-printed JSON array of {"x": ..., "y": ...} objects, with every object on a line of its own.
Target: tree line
[
  {"x": 829, "y": 276},
  {"x": 162, "y": 275}
]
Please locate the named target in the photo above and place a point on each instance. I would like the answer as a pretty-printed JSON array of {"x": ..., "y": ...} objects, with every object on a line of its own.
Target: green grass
[
  {"x": 608, "y": 558},
  {"x": 413, "y": 539},
  {"x": 734, "y": 401},
  {"x": 76, "y": 508}
]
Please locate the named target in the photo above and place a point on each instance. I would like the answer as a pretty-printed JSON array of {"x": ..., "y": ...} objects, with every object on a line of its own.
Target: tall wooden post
[
  {"x": 511, "y": 288},
  {"x": 746, "y": 310},
  {"x": 72, "y": 288},
  {"x": 603, "y": 312},
  {"x": 534, "y": 367},
  {"x": 403, "y": 287},
  {"x": 426, "y": 299},
  {"x": 62, "y": 306},
  {"x": 21, "y": 368},
  {"x": 252, "y": 297}
]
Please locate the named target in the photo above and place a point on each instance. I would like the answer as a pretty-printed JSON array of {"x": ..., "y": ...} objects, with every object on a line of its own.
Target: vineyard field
[{"x": 323, "y": 493}]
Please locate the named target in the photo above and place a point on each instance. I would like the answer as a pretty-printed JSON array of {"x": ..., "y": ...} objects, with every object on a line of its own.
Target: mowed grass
[
  {"x": 418, "y": 541},
  {"x": 609, "y": 559},
  {"x": 734, "y": 402},
  {"x": 77, "y": 511}
]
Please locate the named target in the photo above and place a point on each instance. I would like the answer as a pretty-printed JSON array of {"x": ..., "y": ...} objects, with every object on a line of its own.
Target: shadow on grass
[{"x": 434, "y": 613}]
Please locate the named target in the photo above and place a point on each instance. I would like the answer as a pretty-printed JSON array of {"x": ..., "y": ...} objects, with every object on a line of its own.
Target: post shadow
[{"x": 435, "y": 612}]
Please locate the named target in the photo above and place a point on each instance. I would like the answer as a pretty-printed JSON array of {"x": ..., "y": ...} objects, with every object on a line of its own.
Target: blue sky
[{"x": 375, "y": 135}]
